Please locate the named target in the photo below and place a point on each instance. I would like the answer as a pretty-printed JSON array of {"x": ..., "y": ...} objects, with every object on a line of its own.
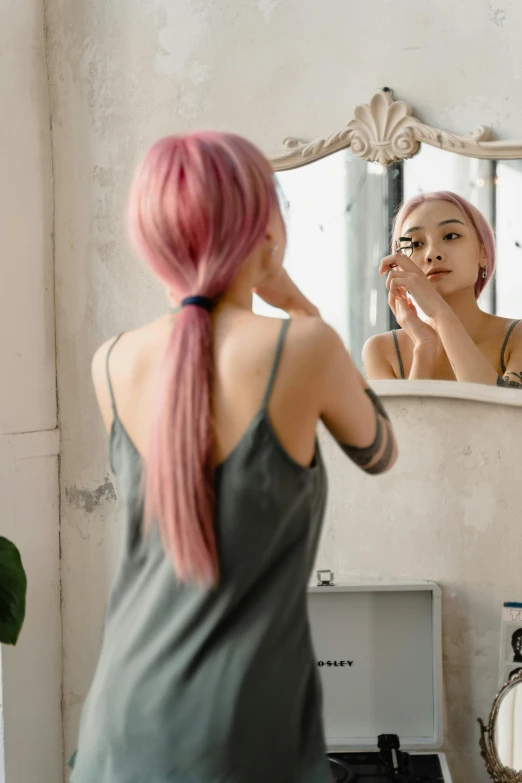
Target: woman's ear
[{"x": 265, "y": 267}]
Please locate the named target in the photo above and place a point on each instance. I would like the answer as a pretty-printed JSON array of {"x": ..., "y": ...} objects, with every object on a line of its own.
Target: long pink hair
[
  {"x": 200, "y": 204},
  {"x": 476, "y": 218}
]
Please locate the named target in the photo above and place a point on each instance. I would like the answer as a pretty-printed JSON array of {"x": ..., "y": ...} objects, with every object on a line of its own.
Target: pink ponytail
[{"x": 199, "y": 206}]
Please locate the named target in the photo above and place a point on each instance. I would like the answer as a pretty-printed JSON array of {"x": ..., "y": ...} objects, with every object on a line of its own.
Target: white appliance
[{"x": 379, "y": 653}]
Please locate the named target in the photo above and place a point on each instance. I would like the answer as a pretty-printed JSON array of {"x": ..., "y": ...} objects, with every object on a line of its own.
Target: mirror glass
[
  {"x": 339, "y": 213},
  {"x": 508, "y": 728}
]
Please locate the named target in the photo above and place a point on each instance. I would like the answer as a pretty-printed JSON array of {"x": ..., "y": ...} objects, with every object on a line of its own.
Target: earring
[
  {"x": 274, "y": 249},
  {"x": 484, "y": 274}
]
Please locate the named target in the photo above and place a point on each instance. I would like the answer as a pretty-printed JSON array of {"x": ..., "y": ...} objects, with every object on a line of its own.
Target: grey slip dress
[{"x": 213, "y": 686}]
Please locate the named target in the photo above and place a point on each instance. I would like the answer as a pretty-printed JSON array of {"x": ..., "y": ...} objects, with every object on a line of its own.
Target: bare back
[{"x": 314, "y": 381}]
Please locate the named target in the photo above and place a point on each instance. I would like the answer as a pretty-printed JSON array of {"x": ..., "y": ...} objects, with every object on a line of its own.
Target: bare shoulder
[
  {"x": 306, "y": 335},
  {"x": 383, "y": 345},
  {"x": 134, "y": 342},
  {"x": 377, "y": 344},
  {"x": 514, "y": 329},
  {"x": 379, "y": 354},
  {"x": 501, "y": 324},
  {"x": 516, "y": 334},
  {"x": 247, "y": 345},
  {"x": 99, "y": 363},
  {"x": 99, "y": 380},
  {"x": 500, "y": 330},
  {"x": 314, "y": 334},
  {"x": 315, "y": 344},
  {"x": 126, "y": 363}
]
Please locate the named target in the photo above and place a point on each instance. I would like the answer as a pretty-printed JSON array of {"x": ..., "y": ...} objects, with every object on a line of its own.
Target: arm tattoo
[
  {"x": 509, "y": 382},
  {"x": 377, "y": 404},
  {"x": 382, "y": 463},
  {"x": 363, "y": 456}
]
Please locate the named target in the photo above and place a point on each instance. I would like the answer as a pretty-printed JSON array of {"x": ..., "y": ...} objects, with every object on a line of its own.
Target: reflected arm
[
  {"x": 512, "y": 378},
  {"x": 423, "y": 365},
  {"x": 468, "y": 361}
]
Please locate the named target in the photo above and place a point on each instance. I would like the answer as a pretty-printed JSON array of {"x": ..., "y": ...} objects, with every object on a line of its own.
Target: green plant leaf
[{"x": 13, "y": 589}]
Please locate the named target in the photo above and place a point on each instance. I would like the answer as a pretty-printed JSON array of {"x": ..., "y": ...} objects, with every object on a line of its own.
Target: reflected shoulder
[
  {"x": 516, "y": 335},
  {"x": 380, "y": 344},
  {"x": 514, "y": 346},
  {"x": 378, "y": 356}
]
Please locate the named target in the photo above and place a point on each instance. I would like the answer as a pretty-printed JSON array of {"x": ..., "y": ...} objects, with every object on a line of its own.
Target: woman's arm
[
  {"x": 379, "y": 355},
  {"x": 350, "y": 410},
  {"x": 512, "y": 378},
  {"x": 468, "y": 362},
  {"x": 423, "y": 365}
]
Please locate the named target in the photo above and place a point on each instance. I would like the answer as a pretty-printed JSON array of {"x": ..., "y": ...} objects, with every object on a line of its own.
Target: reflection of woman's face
[{"x": 443, "y": 239}]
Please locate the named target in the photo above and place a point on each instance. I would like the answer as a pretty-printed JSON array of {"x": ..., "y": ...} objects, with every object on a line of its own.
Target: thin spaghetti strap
[
  {"x": 277, "y": 358},
  {"x": 399, "y": 357},
  {"x": 108, "y": 374},
  {"x": 504, "y": 346}
]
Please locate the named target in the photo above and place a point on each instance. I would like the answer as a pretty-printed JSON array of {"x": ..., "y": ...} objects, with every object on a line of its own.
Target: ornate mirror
[
  {"x": 501, "y": 739},
  {"x": 341, "y": 194}
]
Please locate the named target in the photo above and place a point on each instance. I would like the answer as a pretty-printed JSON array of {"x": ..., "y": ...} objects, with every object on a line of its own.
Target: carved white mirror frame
[{"x": 385, "y": 131}]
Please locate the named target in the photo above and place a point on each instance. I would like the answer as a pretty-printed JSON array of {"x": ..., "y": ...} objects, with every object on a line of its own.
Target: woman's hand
[
  {"x": 404, "y": 274},
  {"x": 422, "y": 335},
  {"x": 283, "y": 293}
]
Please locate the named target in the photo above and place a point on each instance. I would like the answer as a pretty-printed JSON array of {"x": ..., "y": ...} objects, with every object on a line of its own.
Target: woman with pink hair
[
  {"x": 444, "y": 256},
  {"x": 207, "y": 673}
]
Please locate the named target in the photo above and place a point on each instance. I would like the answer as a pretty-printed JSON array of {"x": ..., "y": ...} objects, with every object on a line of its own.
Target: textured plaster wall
[
  {"x": 30, "y": 673},
  {"x": 447, "y": 512},
  {"x": 123, "y": 74}
]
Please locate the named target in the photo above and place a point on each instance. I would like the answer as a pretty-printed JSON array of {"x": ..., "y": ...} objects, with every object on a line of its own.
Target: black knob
[{"x": 388, "y": 742}]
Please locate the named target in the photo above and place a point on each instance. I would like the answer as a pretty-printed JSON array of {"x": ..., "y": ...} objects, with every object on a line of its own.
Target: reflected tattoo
[
  {"x": 364, "y": 456},
  {"x": 508, "y": 381}
]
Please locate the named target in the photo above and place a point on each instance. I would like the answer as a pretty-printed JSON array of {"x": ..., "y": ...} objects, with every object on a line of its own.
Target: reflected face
[{"x": 444, "y": 245}]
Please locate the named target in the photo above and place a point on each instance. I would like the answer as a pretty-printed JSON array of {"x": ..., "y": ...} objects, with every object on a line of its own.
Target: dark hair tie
[{"x": 198, "y": 301}]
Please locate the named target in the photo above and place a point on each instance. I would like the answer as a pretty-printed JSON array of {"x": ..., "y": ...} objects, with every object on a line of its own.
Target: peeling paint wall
[{"x": 123, "y": 74}]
